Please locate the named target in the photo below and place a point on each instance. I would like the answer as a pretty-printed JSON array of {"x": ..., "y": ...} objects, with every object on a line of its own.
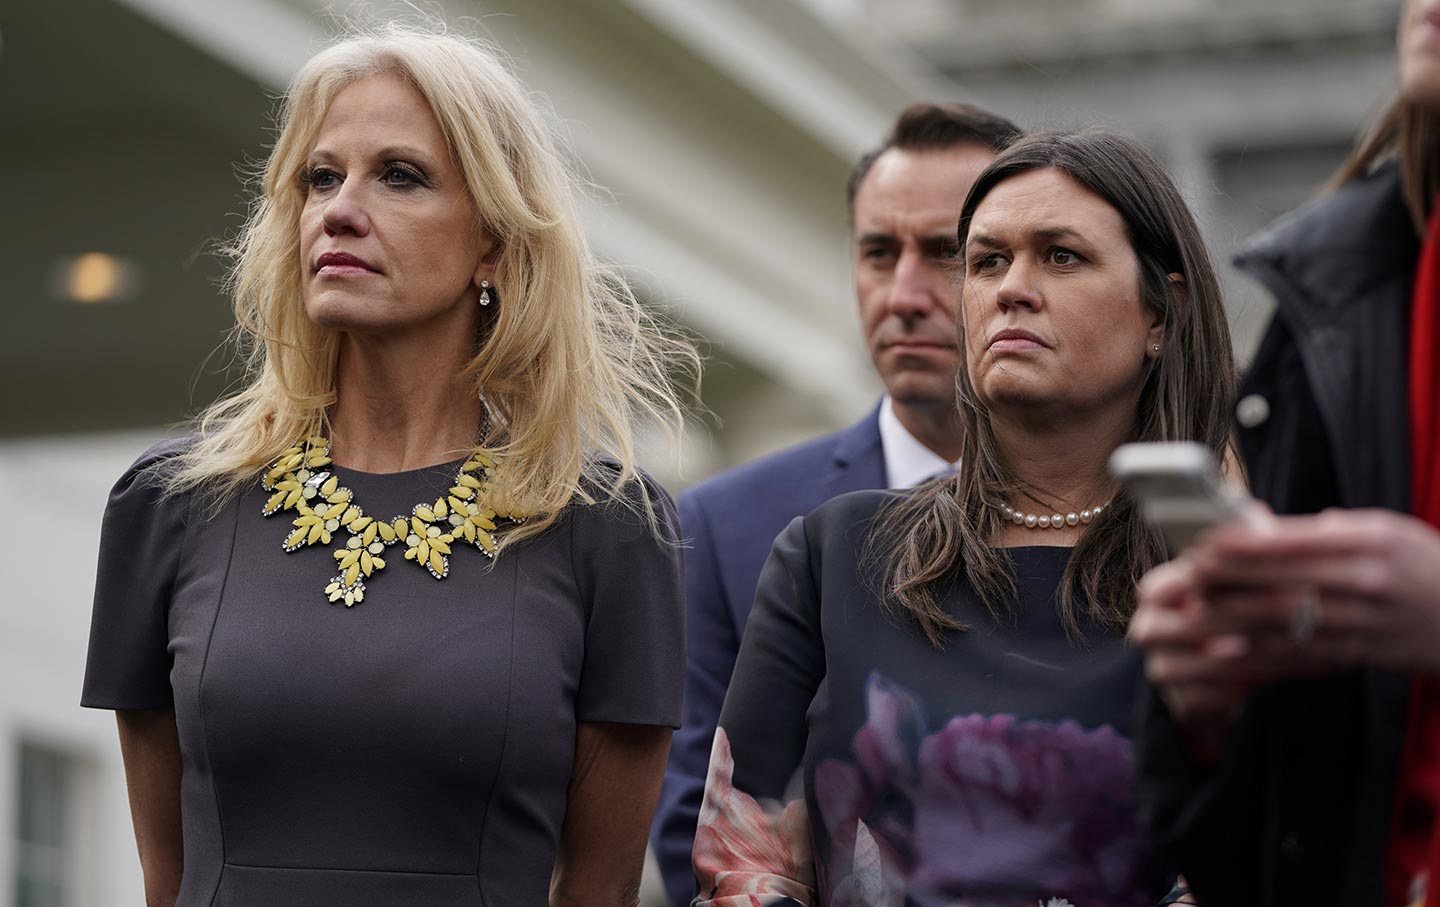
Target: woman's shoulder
[
  {"x": 844, "y": 514},
  {"x": 837, "y": 528},
  {"x": 851, "y": 505},
  {"x": 637, "y": 501},
  {"x": 153, "y": 468},
  {"x": 141, "y": 502}
]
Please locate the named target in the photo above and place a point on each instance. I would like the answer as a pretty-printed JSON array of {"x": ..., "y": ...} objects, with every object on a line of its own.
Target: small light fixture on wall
[{"x": 94, "y": 277}]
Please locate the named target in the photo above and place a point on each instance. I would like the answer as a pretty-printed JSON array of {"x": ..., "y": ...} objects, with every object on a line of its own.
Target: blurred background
[{"x": 723, "y": 132}]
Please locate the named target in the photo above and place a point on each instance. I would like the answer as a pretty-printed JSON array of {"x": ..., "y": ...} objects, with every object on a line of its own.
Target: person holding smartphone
[{"x": 1290, "y": 752}]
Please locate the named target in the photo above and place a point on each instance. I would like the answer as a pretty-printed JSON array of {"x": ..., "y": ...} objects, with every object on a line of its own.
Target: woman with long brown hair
[
  {"x": 944, "y": 671},
  {"x": 1290, "y": 753}
]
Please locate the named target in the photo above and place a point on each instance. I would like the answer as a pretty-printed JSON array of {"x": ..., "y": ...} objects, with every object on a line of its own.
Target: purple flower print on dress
[
  {"x": 866, "y": 807},
  {"x": 887, "y": 746},
  {"x": 988, "y": 812},
  {"x": 1010, "y": 811}
]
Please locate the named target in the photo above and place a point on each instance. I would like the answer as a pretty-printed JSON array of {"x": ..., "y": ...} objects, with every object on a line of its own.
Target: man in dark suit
[{"x": 905, "y": 201}]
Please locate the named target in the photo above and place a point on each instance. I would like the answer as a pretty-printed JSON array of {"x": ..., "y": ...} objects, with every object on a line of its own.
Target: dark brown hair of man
[
  {"x": 926, "y": 126},
  {"x": 926, "y": 538},
  {"x": 1411, "y": 133}
]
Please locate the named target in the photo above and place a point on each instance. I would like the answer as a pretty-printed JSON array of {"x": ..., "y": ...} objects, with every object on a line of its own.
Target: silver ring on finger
[{"x": 1305, "y": 619}]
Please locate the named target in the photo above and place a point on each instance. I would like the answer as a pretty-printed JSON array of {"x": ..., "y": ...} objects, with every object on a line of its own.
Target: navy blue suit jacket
[{"x": 731, "y": 521}]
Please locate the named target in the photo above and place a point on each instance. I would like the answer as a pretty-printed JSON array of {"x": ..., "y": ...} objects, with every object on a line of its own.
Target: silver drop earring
[{"x": 485, "y": 294}]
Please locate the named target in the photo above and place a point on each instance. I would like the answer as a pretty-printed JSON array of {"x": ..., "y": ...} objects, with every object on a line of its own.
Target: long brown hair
[
  {"x": 928, "y": 537},
  {"x": 1410, "y": 133}
]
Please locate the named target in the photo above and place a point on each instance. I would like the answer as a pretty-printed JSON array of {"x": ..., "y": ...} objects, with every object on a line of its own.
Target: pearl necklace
[
  {"x": 1052, "y": 521},
  {"x": 301, "y": 482}
]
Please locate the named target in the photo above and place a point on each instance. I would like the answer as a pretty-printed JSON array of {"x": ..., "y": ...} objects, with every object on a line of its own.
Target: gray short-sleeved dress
[{"x": 412, "y": 750}]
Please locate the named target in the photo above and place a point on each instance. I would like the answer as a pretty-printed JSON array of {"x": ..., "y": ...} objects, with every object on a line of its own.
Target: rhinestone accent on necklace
[
  {"x": 1054, "y": 520},
  {"x": 301, "y": 481}
]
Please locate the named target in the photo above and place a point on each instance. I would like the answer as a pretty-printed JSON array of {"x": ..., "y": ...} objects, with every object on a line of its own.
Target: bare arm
[
  {"x": 613, "y": 789},
  {"x": 150, "y": 746}
]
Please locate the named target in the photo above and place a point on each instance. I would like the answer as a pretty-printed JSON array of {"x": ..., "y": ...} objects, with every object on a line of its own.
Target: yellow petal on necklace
[
  {"x": 485, "y": 541},
  {"x": 315, "y": 533},
  {"x": 370, "y": 532},
  {"x": 350, "y": 599},
  {"x": 387, "y": 532},
  {"x": 437, "y": 545},
  {"x": 471, "y": 465},
  {"x": 317, "y": 441},
  {"x": 401, "y": 527},
  {"x": 351, "y": 558},
  {"x": 359, "y": 596},
  {"x": 379, "y": 562},
  {"x": 418, "y": 525},
  {"x": 287, "y": 485},
  {"x": 467, "y": 529},
  {"x": 440, "y": 509},
  {"x": 333, "y": 586},
  {"x": 410, "y": 554},
  {"x": 293, "y": 498},
  {"x": 317, "y": 459},
  {"x": 340, "y": 554},
  {"x": 296, "y": 538},
  {"x": 425, "y": 513},
  {"x": 337, "y": 594},
  {"x": 367, "y": 564},
  {"x": 457, "y": 504},
  {"x": 468, "y": 480},
  {"x": 437, "y": 563},
  {"x": 463, "y": 492},
  {"x": 324, "y": 535},
  {"x": 274, "y": 503},
  {"x": 330, "y": 485},
  {"x": 352, "y": 574},
  {"x": 482, "y": 522},
  {"x": 339, "y": 497},
  {"x": 358, "y": 522},
  {"x": 422, "y": 551}
]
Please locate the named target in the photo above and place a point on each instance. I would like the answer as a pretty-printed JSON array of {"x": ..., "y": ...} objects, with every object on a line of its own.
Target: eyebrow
[
  {"x": 1046, "y": 233},
  {"x": 865, "y": 239},
  {"x": 388, "y": 153}
]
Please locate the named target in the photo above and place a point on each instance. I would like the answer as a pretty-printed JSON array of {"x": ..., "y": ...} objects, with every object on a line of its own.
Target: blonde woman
[{"x": 402, "y": 624}]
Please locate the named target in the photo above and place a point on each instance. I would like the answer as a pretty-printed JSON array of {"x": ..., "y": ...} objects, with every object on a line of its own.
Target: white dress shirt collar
[{"x": 907, "y": 461}]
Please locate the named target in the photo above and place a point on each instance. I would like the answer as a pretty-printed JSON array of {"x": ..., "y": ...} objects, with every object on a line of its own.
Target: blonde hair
[{"x": 571, "y": 362}]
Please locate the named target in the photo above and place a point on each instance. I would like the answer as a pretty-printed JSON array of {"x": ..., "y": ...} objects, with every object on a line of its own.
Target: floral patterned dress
[{"x": 856, "y": 765}]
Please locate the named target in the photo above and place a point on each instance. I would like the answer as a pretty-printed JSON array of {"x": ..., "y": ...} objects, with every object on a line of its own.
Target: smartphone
[{"x": 1177, "y": 486}]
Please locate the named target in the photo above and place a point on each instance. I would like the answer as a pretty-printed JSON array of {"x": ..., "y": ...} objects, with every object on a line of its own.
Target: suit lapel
[{"x": 858, "y": 460}]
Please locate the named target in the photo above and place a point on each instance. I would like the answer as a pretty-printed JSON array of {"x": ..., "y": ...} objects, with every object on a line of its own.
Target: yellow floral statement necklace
[{"x": 300, "y": 481}]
